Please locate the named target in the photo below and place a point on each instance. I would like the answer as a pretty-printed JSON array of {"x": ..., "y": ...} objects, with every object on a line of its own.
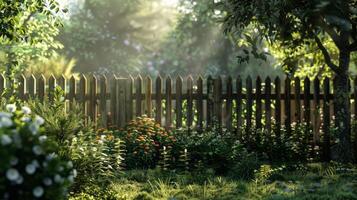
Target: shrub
[
  {"x": 208, "y": 148},
  {"x": 143, "y": 141},
  {"x": 96, "y": 156},
  {"x": 30, "y": 167},
  {"x": 60, "y": 124}
]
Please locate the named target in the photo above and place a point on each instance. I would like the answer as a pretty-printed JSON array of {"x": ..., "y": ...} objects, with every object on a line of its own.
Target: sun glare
[{"x": 171, "y": 3}]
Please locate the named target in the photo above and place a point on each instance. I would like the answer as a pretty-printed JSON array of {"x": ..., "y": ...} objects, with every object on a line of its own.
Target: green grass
[{"x": 313, "y": 182}]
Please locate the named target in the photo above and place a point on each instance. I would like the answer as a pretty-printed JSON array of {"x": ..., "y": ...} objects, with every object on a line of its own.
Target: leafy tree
[
  {"x": 115, "y": 35},
  {"x": 27, "y": 31},
  {"x": 294, "y": 24},
  {"x": 198, "y": 45}
]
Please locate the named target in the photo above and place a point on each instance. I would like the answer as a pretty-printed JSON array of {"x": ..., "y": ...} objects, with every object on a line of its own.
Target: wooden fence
[{"x": 194, "y": 103}]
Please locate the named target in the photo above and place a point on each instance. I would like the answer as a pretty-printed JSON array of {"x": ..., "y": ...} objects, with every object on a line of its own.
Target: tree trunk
[{"x": 342, "y": 110}]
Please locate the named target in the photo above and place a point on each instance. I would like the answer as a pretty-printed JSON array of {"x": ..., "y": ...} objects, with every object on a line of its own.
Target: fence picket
[
  {"x": 249, "y": 108},
  {"x": 268, "y": 105},
  {"x": 278, "y": 110},
  {"x": 239, "y": 88},
  {"x": 209, "y": 101},
  {"x": 93, "y": 105},
  {"x": 217, "y": 93},
  {"x": 129, "y": 99},
  {"x": 103, "y": 102},
  {"x": 138, "y": 97},
  {"x": 297, "y": 100},
  {"x": 189, "y": 102},
  {"x": 148, "y": 91},
  {"x": 168, "y": 106},
  {"x": 31, "y": 83},
  {"x": 2, "y": 83},
  {"x": 83, "y": 95},
  {"x": 41, "y": 87},
  {"x": 158, "y": 100},
  {"x": 200, "y": 103},
  {"x": 326, "y": 120},
  {"x": 178, "y": 102},
  {"x": 229, "y": 106},
  {"x": 316, "y": 111},
  {"x": 307, "y": 101},
  {"x": 22, "y": 87},
  {"x": 287, "y": 106},
  {"x": 258, "y": 112},
  {"x": 52, "y": 83}
]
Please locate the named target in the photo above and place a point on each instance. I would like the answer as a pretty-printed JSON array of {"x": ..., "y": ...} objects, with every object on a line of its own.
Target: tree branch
[
  {"x": 326, "y": 55},
  {"x": 331, "y": 32}
]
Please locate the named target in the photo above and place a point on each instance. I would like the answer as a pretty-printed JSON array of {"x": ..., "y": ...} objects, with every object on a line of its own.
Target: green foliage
[
  {"x": 96, "y": 156},
  {"x": 61, "y": 123},
  {"x": 55, "y": 65},
  {"x": 144, "y": 139},
  {"x": 115, "y": 35},
  {"x": 30, "y": 167}
]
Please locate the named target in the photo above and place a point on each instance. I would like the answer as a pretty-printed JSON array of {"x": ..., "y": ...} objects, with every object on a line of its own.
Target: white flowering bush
[{"x": 29, "y": 165}]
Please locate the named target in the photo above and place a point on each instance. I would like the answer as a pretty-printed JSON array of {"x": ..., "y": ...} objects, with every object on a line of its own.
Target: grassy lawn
[{"x": 312, "y": 182}]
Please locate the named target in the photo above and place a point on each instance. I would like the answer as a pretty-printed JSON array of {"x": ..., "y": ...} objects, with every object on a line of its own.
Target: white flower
[
  {"x": 5, "y": 114},
  {"x": 11, "y": 107},
  {"x": 20, "y": 180},
  {"x": 12, "y": 174},
  {"x": 14, "y": 161},
  {"x": 58, "y": 179},
  {"x": 51, "y": 156},
  {"x": 35, "y": 163},
  {"x": 60, "y": 169},
  {"x": 25, "y": 119},
  {"x": 38, "y": 191},
  {"x": 39, "y": 120},
  {"x": 30, "y": 169},
  {"x": 47, "y": 181},
  {"x": 70, "y": 178},
  {"x": 42, "y": 138},
  {"x": 5, "y": 140},
  {"x": 69, "y": 164},
  {"x": 33, "y": 128},
  {"x": 37, "y": 150},
  {"x": 26, "y": 110},
  {"x": 5, "y": 122},
  {"x": 74, "y": 173}
]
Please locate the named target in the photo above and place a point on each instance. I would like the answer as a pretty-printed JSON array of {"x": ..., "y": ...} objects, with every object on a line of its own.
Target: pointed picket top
[
  {"x": 277, "y": 79},
  {"x": 189, "y": 82},
  {"x": 267, "y": 80},
  {"x": 22, "y": 86},
  {"x": 258, "y": 80},
  {"x": 249, "y": 82},
  {"x": 179, "y": 80},
  {"x": 229, "y": 82},
  {"x": 83, "y": 78},
  {"x": 168, "y": 79},
  {"x": 2, "y": 82},
  {"x": 32, "y": 85},
  {"x": 200, "y": 79},
  {"x": 158, "y": 80}
]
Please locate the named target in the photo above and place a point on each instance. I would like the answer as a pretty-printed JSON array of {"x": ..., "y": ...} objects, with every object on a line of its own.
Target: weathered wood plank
[
  {"x": 326, "y": 121},
  {"x": 189, "y": 102},
  {"x": 268, "y": 105},
  {"x": 297, "y": 100},
  {"x": 179, "y": 102},
  {"x": 218, "y": 101},
  {"x": 158, "y": 100},
  {"x": 148, "y": 92},
  {"x": 278, "y": 110},
  {"x": 287, "y": 106},
  {"x": 83, "y": 88},
  {"x": 249, "y": 108},
  {"x": 103, "y": 101},
  {"x": 138, "y": 98},
  {"x": 200, "y": 114},
  {"x": 168, "y": 106},
  {"x": 258, "y": 112},
  {"x": 229, "y": 105},
  {"x": 41, "y": 87},
  {"x": 31, "y": 83},
  {"x": 239, "y": 88}
]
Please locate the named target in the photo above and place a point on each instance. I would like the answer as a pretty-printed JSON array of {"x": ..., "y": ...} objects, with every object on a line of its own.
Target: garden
[{"x": 178, "y": 100}]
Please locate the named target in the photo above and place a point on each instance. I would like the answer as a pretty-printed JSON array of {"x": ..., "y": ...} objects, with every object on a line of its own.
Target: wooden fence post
[
  {"x": 31, "y": 87},
  {"x": 278, "y": 110},
  {"x": 103, "y": 102},
  {"x": 229, "y": 106},
  {"x": 138, "y": 96},
  {"x": 121, "y": 102},
  {"x": 41, "y": 87},
  {"x": 189, "y": 102},
  {"x": 158, "y": 100},
  {"x": 148, "y": 102},
  {"x": 168, "y": 106},
  {"x": 200, "y": 104},
  {"x": 22, "y": 87},
  {"x": 217, "y": 106},
  {"x": 268, "y": 105},
  {"x": 326, "y": 121},
  {"x": 83, "y": 95},
  {"x": 179, "y": 102},
  {"x": 258, "y": 112}
]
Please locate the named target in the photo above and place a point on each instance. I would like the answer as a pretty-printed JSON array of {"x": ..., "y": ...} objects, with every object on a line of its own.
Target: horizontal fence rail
[{"x": 227, "y": 103}]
